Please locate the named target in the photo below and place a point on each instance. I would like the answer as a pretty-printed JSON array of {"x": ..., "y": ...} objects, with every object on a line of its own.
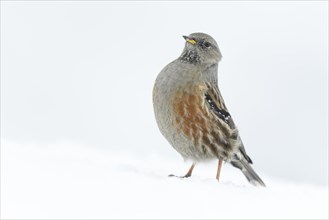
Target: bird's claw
[{"x": 185, "y": 176}]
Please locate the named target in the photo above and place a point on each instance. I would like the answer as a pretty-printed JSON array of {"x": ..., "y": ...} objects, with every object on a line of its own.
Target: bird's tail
[{"x": 249, "y": 172}]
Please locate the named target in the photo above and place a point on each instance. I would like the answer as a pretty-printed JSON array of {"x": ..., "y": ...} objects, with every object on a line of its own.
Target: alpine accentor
[{"x": 191, "y": 113}]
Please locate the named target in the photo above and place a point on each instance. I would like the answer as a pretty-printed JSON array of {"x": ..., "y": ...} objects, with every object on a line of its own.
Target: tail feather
[{"x": 249, "y": 172}]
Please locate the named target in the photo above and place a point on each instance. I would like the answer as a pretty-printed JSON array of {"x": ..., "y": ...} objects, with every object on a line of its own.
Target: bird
[{"x": 190, "y": 110}]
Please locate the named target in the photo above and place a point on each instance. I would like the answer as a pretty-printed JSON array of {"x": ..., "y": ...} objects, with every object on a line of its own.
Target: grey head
[{"x": 200, "y": 48}]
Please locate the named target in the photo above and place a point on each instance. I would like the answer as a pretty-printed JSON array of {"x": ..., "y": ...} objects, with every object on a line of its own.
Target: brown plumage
[
  {"x": 191, "y": 112},
  {"x": 193, "y": 118}
]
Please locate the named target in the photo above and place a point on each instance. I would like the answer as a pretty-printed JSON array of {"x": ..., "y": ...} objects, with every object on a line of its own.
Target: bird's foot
[
  {"x": 185, "y": 176},
  {"x": 188, "y": 174}
]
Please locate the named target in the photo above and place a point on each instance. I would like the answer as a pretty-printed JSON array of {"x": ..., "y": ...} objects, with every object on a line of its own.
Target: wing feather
[{"x": 216, "y": 105}]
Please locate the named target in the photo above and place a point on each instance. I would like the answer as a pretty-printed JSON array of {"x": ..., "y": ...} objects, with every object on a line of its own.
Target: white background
[{"x": 83, "y": 72}]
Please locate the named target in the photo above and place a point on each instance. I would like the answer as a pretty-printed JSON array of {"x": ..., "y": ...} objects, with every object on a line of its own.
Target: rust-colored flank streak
[
  {"x": 193, "y": 119},
  {"x": 190, "y": 116}
]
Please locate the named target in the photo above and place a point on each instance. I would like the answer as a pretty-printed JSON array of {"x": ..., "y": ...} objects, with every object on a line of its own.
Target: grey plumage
[{"x": 190, "y": 111}]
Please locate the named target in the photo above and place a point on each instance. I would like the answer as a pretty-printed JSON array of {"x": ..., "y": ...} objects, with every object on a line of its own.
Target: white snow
[{"x": 71, "y": 180}]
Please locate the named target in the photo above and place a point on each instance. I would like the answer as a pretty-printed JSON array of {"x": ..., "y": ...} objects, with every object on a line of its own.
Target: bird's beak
[{"x": 189, "y": 40}]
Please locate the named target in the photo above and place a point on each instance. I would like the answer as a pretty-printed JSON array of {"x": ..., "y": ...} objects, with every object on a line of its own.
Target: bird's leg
[
  {"x": 218, "y": 169},
  {"x": 188, "y": 174}
]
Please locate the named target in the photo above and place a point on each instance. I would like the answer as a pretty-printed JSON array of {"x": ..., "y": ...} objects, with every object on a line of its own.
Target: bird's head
[{"x": 201, "y": 48}]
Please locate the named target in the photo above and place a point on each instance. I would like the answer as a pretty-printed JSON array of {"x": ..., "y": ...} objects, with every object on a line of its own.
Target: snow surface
[{"x": 71, "y": 180}]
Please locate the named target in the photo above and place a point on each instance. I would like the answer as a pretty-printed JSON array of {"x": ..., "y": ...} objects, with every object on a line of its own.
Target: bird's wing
[
  {"x": 244, "y": 153},
  {"x": 216, "y": 105}
]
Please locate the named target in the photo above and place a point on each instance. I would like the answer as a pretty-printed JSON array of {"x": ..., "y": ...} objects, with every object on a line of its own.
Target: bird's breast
[{"x": 190, "y": 114}]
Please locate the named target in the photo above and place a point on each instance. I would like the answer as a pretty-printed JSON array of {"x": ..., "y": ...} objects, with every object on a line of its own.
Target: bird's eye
[{"x": 206, "y": 44}]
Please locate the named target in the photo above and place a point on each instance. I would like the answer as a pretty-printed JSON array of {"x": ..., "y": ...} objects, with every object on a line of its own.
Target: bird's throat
[{"x": 190, "y": 56}]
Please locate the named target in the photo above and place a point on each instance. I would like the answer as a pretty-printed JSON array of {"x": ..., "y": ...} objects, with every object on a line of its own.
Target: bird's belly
[{"x": 187, "y": 125}]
